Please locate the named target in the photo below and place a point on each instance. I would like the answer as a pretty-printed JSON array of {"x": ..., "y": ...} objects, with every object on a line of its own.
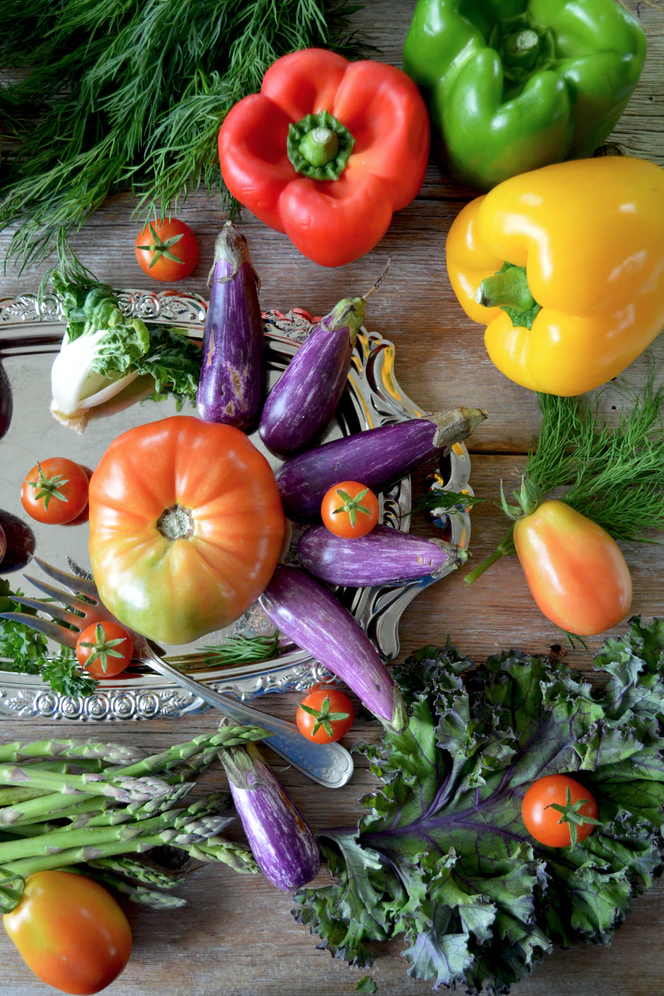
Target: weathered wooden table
[{"x": 236, "y": 937}]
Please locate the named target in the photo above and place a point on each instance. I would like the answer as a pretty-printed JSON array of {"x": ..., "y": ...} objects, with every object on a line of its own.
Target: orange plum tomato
[
  {"x": 349, "y": 509},
  {"x": 575, "y": 571},
  {"x": 104, "y": 649},
  {"x": 549, "y": 825},
  {"x": 55, "y": 491},
  {"x": 70, "y": 931},
  {"x": 167, "y": 250},
  {"x": 324, "y": 715}
]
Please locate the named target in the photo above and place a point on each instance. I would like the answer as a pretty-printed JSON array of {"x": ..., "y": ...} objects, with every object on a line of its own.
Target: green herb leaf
[
  {"x": 442, "y": 855},
  {"x": 366, "y": 985},
  {"x": 25, "y": 651},
  {"x": 131, "y": 96}
]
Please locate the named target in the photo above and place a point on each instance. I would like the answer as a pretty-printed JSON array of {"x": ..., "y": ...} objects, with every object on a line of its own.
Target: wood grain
[{"x": 237, "y": 938}]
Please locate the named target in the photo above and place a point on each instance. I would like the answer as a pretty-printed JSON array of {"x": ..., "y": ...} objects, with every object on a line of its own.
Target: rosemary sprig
[
  {"x": 234, "y": 650},
  {"x": 129, "y": 95}
]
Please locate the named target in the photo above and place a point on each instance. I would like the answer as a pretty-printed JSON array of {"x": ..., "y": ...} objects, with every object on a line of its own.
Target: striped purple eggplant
[
  {"x": 282, "y": 843},
  {"x": 301, "y": 404},
  {"x": 384, "y": 556},
  {"x": 376, "y": 457},
  {"x": 231, "y": 385},
  {"x": 306, "y": 612}
]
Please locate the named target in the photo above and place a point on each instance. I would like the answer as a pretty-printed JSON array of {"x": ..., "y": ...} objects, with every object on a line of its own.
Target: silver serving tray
[{"x": 30, "y": 336}]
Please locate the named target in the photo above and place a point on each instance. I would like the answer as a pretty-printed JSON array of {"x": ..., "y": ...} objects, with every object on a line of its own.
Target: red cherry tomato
[
  {"x": 104, "y": 649},
  {"x": 55, "y": 491},
  {"x": 70, "y": 931},
  {"x": 167, "y": 250},
  {"x": 349, "y": 509},
  {"x": 84, "y": 517},
  {"x": 547, "y": 825},
  {"x": 325, "y": 715}
]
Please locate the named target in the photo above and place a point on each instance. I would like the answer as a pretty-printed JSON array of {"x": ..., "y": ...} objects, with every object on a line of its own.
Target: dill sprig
[
  {"x": 129, "y": 95},
  {"x": 613, "y": 474}
]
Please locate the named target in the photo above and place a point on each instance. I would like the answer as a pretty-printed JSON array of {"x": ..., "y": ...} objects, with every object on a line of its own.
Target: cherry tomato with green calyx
[
  {"x": 325, "y": 715},
  {"x": 167, "y": 250},
  {"x": 558, "y": 811},
  {"x": 349, "y": 509},
  {"x": 70, "y": 931},
  {"x": 104, "y": 649},
  {"x": 55, "y": 491}
]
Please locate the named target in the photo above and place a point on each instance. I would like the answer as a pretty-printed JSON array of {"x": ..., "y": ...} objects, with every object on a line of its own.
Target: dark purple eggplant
[
  {"x": 282, "y": 843},
  {"x": 6, "y": 402},
  {"x": 376, "y": 457},
  {"x": 306, "y": 612},
  {"x": 231, "y": 385},
  {"x": 383, "y": 556},
  {"x": 3, "y": 544},
  {"x": 301, "y": 404},
  {"x": 20, "y": 541}
]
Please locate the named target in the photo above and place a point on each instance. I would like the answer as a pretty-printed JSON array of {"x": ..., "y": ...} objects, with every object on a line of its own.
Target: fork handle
[{"x": 330, "y": 765}]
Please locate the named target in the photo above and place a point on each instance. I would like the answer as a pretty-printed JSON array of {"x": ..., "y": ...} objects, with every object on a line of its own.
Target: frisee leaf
[{"x": 442, "y": 855}]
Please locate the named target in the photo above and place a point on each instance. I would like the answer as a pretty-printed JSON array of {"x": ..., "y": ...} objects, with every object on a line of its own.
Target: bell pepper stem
[
  {"x": 507, "y": 289},
  {"x": 504, "y": 549}
]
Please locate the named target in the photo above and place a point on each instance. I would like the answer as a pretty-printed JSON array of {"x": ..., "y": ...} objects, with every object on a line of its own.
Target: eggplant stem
[{"x": 374, "y": 288}]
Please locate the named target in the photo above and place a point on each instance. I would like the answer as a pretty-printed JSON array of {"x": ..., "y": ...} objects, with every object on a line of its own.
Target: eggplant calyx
[
  {"x": 349, "y": 312},
  {"x": 455, "y": 424},
  {"x": 457, "y": 555},
  {"x": 319, "y": 146},
  {"x": 231, "y": 248},
  {"x": 400, "y": 718}
]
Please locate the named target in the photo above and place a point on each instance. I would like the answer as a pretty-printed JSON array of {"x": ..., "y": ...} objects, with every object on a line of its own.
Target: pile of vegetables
[
  {"x": 83, "y": 807},
  {"x": 130, "y": 96},
  {"x": 451, "y": 855}
]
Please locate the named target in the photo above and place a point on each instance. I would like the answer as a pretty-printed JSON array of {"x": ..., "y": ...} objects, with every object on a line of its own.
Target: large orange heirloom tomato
[
  {"x": 186, "y": 527},
  {"x": 70, "y": 931},
  {"x": 575, "y": 571}
]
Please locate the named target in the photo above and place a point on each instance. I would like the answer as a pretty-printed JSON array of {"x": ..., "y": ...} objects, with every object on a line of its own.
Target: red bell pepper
[{"x": 327, "y": 151}]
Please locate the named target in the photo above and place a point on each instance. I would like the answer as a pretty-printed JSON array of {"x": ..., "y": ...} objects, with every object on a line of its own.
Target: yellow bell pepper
[{"x": 565, "y": 267}]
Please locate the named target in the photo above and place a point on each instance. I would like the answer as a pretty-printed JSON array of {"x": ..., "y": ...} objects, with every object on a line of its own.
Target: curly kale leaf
[{"x": 442, "y": 856}]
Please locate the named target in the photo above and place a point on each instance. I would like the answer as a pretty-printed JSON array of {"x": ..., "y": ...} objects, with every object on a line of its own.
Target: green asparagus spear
[
  {"x": 139, "y": 871},
  {"x": 108, "y": 753},
  {"x": 136, "y": 893}
]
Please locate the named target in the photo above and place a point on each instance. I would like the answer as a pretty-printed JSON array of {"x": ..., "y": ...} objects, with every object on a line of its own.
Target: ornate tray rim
[{"x": 378, "y": 609}]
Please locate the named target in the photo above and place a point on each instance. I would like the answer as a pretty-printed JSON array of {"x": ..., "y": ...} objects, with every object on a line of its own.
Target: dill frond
[{"x": 130, "y": 95}]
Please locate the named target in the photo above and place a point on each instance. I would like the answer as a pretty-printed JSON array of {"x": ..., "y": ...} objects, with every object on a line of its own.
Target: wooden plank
[{"x": 237, "y": 937}]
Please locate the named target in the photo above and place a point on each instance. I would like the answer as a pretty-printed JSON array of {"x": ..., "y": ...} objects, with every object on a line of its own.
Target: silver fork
[{"x": 328, "y": 764}]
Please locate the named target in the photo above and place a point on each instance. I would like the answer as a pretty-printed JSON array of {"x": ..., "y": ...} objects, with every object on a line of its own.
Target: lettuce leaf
[{"x": 442, "y": 856}]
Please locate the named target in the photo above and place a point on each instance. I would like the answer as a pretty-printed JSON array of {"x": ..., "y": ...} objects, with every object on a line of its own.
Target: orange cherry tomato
[
  {"x": 575, "y": 571},
  {"x": 324, "y": 715},
  {"x": 70, "y": 931},
  {"x": 104, "y": 649},
  {"x": 546, "y": 824},
  {"x": 167, "y": 250},
  {"x": 349, "y": 509},
  {"x": 55, "y": 491}
]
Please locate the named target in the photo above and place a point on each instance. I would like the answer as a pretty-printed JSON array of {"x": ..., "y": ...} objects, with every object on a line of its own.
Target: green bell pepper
[{"x": 514, "y": 85}]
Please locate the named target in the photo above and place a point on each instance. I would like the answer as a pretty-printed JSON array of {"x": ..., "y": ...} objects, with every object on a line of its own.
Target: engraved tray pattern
[{"x": 30, "y": 334}]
